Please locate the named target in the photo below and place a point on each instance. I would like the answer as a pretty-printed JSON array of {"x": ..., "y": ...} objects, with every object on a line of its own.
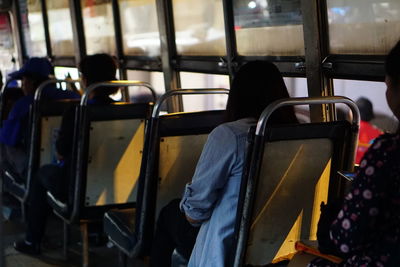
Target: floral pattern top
[{"x": 367, "y": 228}]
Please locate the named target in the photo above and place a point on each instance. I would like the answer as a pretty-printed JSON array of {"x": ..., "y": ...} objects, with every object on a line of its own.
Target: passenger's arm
[
  {"x": 212, "y": 172},
  {"x": 11, "y": 131}
]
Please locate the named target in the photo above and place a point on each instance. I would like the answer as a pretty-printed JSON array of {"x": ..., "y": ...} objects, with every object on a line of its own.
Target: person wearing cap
[
  {"x": 54, "y": 177},
  {"x": 14, "y": 131}
]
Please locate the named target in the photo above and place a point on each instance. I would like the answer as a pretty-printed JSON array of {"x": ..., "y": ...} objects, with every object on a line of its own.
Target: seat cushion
[{"x": 119, "y": 225}]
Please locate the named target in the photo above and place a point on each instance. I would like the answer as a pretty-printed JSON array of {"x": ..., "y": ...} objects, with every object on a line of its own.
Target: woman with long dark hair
[{"x": 210, "y": 200}]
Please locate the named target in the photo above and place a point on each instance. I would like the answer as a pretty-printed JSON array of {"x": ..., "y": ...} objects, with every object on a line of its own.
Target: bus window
[
  {"x": 60, "y": 28},
  {"x": 8, "y": 53},
  {"x": 33, "y": 27},
  {"x": 375, "y": 92},
  {"x": 99, "y": 27},
  {"x": 155, "y": 79},
  {"x": 202, "y": 80},
  {"x": 363, "y": 27},
  {"x": 140, "y": 27},
  {"x": 199, "y": 27},
  {"x": 269, "y": 24},
  {"x": 297, "y": 87}
]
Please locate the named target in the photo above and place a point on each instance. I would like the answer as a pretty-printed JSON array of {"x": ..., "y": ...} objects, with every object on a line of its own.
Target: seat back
[
  {"x": 114, "y": 159},
  {"x": 181, "y": 142},
  {"x": 108, "y": 158},
  {"x": 291, "y": 170},
  {"x": 44, "y": 120},
  {"x": 176, "y": 142}
]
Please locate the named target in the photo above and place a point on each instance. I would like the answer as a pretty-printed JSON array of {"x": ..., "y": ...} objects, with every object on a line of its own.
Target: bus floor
[{"x": 100, "y": 253}]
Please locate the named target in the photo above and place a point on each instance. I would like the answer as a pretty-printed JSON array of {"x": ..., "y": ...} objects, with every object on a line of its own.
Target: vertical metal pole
[
  {"x": 316, "y": 49},
  {"x": 230, "y": 37},
  {"x": 168, "y": 51},
  {"x": 119, "y": 47},
  {"x": 2, "y": 261},
  {"x": 21, "y": 45},
  {"x": 77, "y": 29},
  {"x": 85, "y": 244},
  {"x": 46, "y": 29},
  {"x": 65, "y": 240}
]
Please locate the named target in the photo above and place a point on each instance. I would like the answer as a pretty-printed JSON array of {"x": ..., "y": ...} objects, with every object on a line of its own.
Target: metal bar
[
  {"x": 65, "y": 240},
  {"x": 21, "y": 45},
  {"x": 262, "y": 122},
  {"x": 168, "y": 51},
  {"x": 230, "y": 37},
  {"x": 119, "y": 46},
  {"x": 46, "y": 28},
  {"x": 119, "y": 83},
  {"x": 78, "y": 29},
  {"x": 315, "y": 51},
  {"x": 164, "y": 97},
  {"x": 118, "y": 31},
  {"x": 35, "y": 131},
  {"x": 85, "y": 244}
]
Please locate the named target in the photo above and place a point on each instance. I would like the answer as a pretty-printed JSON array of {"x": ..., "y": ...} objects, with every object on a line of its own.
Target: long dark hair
[{"x": 257, "y": 84}]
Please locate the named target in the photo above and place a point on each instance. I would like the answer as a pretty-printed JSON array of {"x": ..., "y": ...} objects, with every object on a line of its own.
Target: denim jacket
[{"x": 212, "y": 196}]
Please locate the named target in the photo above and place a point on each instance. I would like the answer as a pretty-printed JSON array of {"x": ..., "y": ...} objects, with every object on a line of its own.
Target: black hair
[
  {"x": 99, "y": 68},
  {"x": 257, "y": 84},
  {"x": 392, "y": 64},
  {"x": 366, "y": 109}
]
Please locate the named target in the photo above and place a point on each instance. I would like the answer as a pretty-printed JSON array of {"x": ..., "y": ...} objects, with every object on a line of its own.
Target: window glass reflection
[
  {"x": 363, "y": 27},
  {"x": 99, "y": 26},
  {"x": 33, "y": 28},
  {"x": 199, "y": 27},
  {"x": 202, "y": 80},
  {"x": 142, "y": 94},
  {"x": 60, "y": 27},
  {"x": 273, "y": 26},
  {"x": 140, "y": 27},
  {"x": 8, "y": 53}
]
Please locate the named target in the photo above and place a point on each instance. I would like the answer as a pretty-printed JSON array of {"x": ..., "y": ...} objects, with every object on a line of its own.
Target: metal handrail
[
  {"x": 157, "y": 107},
  {"x": 266, "y": 114},
  {"x": 39, "y": 90},
  {"x": 35, "y": 119},
  {"x": 119, "y": 83}
]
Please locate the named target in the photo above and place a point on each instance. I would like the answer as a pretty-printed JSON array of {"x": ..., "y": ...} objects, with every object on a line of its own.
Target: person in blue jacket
[
  {"x": 56, "y": 177},
  {"x": 14, "y": 130}
]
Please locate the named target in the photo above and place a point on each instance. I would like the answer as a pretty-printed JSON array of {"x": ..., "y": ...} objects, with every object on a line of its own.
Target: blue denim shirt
[{"x": 213, "y": 194}]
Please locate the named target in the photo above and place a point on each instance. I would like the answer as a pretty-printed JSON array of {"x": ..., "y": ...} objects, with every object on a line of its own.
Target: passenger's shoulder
[
  {"x": 236, "y": 128},
  {"x": 386, "y": 140}
]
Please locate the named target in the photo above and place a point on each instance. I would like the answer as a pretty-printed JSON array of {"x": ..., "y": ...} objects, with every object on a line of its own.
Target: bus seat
[
  {"x": 176, "y": 144},
  {"x": 41, "y": 147},
  {"x": 294, "y": 170},
  {"x": 107, "y": 161}
]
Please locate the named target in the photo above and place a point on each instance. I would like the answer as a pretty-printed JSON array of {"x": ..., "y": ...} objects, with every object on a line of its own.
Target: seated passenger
[
  {"x": 368, "y": 132},
  {"x": 210, "y": 200},
  {"x": 14, "y": 132},
  {"x": 54, "y": 177},
  {"x": 366, "y": 230}
]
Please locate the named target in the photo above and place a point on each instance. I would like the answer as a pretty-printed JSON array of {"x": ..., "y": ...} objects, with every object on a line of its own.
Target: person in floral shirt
[{"x": 366, "y": 231}]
